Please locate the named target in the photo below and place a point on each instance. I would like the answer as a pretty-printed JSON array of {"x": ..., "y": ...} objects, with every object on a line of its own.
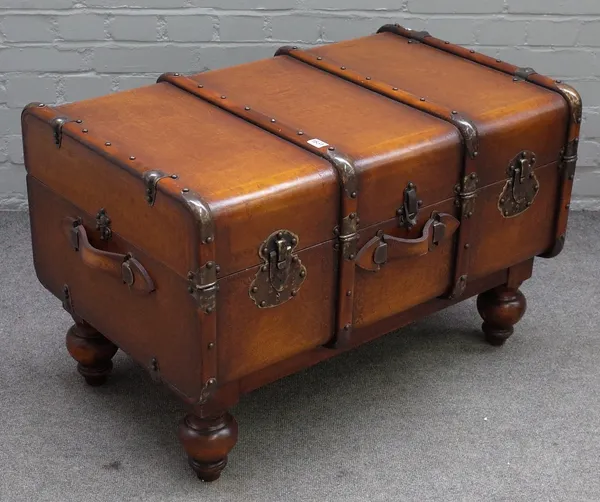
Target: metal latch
[
  {"x": 407, "y": 214},
  {"x": 280, "y": 259},
  {"x": 522, "y": 185},
  {"x": 103, "y": 224},
  {"x": 380, "y": 256},
  {"x": 282, "y": 273}
]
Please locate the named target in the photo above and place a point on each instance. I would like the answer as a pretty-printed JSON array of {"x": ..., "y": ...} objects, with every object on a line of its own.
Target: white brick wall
[{"x": 57, "y": 51}]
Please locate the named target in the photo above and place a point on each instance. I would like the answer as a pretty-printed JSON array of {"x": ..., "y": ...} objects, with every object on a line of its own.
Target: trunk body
[{"x": 221, "y": 225}]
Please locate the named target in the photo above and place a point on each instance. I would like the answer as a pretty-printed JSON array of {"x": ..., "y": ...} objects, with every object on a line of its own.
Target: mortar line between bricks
[{"x": 369, "y": 13}]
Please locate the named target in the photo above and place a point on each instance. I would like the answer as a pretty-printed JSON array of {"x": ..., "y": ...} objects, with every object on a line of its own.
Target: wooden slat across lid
[
  {"x": 253, "y": 183},
  {"x": 510, "y": 114}
]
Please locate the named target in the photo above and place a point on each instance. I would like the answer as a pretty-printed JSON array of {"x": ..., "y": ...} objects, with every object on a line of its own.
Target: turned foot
[
  {"x": 501, "y": 308},
  {"x": 207, "y": 441},
  {"x": 92, "y": 352}
]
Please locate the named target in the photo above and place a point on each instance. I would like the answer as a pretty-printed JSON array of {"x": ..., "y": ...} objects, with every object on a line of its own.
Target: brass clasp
[{"x": 407, "y": 214}]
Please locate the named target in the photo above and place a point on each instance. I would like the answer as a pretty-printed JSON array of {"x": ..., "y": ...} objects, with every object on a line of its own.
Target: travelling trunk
[{"x": 232, "y": 227}]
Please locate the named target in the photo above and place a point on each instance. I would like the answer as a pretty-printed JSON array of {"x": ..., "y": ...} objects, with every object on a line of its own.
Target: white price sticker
[{"x": 317, "y": 142}]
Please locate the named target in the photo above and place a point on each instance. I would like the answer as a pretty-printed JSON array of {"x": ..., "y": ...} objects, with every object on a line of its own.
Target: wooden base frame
[{"x": 208, "y": 433}]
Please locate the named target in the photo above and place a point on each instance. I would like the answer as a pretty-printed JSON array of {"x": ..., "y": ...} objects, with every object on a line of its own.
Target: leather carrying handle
[
  {"x": 383, "y": 247},
  {"x": 121, "y": 266}
]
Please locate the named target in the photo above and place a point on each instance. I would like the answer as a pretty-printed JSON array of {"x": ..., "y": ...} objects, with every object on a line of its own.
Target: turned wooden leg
[
  {"x": 92, "y": 352},
  {"x": 501, "y": 308},
  {"x": 207, "y": 441}
]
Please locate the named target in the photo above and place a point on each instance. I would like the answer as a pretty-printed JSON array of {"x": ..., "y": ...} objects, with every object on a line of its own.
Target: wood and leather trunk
[{"x": 216, "y": 225}]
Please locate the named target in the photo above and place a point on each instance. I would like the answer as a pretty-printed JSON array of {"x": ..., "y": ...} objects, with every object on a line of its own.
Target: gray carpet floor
[{"x": 428, "y": 413}]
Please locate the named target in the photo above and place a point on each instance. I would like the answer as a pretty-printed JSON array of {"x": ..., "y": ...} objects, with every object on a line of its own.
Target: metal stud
[
  {"x": 422, "y": 99},
  {"x": 446, "y": 42},
  {"x": 571, "y": 177},
  {"x": 200, "y": 86},
  {"x": 469, "y": 214},
  {"x": 79, "y": 121},
  {"x": 209, "y": 239},
  {"x": 209, "y": 310},
  {"x": 132, "y": 157},
  {"x": 353, "y": 195},
  {"x": 454, "y": 112},
  {"x": 473, "y": 176},
  {"x": 254, "y": 289},
  {"x": 506, "y": 213},
  {"x": 279, "y": 235},
  {"x": 211, "y": 345},
  {"x": 342, "y": 67},
  {"x": 319, "y": 58},
  {"x": 174, "y": 176},
  {"x": 263, "y": 303},
  {"x": 347, "y": 327},
  {"x": 331, "y": 148},
  {"x": 223, "y": 96},
  {"x": 568, "y": 206},
  {"x": 302, "y": 273},
  {"x": 300, "y": 133},
  {"x": 294, "y": 241},
  {"x": 84, "y": 131},
  {"x": 41, "y": 105},
  {"x": 467, "y": 245},
  {"x": 368, "y": 78},
  {"x": 498, "y": 61},
  {"x": 293, "y": 292},
  {"x": 247, "y": 108},
  {"x": 394, "y": 88},
  {"x": 273, "y": 120},
  {"x": 185, "y": 190},
  {"x": 472, "y": 51},
  {"x": 295, "y": 259},
  {"x": 108, "y": 143},
  {"x": 263, "y": 268},
  {"x": 176, "y": 74},
  {"x": 295, "y": 47},
  {"x": 515, "y": 79},
  {"x": 352, "y": 216},
  {"x": 352, "y": 256},
  {"x": 218, "y": 269},
  {"x": 348, "y": 293},
  {"x": 210, "y": 264}
]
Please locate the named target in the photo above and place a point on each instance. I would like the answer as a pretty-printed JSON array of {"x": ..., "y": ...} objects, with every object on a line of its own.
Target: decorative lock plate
[
  {"x": 280, "y": 276},
  {"x": 521, "y": 187},
  {"x": 407, "y": 214}
]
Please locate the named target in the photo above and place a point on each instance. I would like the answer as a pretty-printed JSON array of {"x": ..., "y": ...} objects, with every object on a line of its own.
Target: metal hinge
[
  {"x": 203, "y": 286},
  {"x": 467, "y": 195},
  {"x": 568, "y": 161},
  {"x": 103, "y": 224}
]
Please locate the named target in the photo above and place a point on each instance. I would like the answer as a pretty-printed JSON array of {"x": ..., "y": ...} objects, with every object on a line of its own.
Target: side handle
[
  {"x": 383, "y": 247},
  {"x": 120, "y": 266}
]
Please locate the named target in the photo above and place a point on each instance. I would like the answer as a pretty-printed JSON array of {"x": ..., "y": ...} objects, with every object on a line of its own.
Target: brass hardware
[
  {"x": 574, "y": 100},
  {"x": 154, "y": 369},
  {"x": 521, "y": 187},
  {"x": 459, "y": 288},
  {"x": 203, "y": 287},
  {"x": 202, "y": 215},
  {"x": 103, "y": 224},
  {"x": 468, "y": 131},
  {"x": 380, "y": 256},
  {"x": 67, "y": 302},
  {"x": 57, "y": 126},
  {"x": 349, "y": 236},
  {"x": 524, "y": 73},
  {"x": 407, "y": 214},
  {"x": 467, "y": 195},
  {"x": 207, "y": 390},
  {"x": 127, "y": 273},
  {"x": 569, "y": 160},
  {"x": 151, "y": 179},
  {"x": 346, "y": 171},
  {"x": 282, "y": 273}
]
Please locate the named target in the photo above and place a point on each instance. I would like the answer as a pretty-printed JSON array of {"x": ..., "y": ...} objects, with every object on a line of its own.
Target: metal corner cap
[
  {"x": 573, "y": 98},
  {"x": 346, "y": 169},
  {"x": 33, "y": 106},
  {"x": 166, "y": 77},
  {"x": 469, "y": 132},
  {"x": 201, "y": 213},
  {"x": 389, "y": 28},
  {"x": 285, "y": 50}
]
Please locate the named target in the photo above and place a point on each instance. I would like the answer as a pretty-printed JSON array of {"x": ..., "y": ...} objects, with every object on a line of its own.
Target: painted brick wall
[{"x": 63, "y": 50}]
